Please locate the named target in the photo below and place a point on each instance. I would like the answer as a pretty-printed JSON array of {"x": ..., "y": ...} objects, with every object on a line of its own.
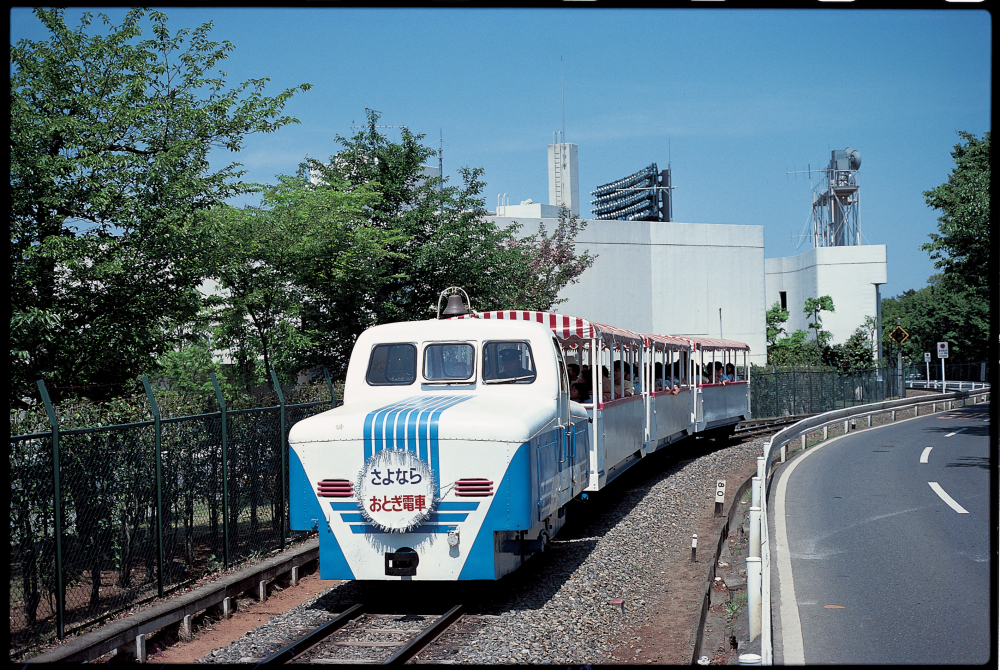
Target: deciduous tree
[
  {"x": 109, "y": 142},
  {"x": 962, "y": 249}
]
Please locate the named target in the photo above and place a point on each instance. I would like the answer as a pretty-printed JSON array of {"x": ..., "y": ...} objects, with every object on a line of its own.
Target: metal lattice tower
[{"x": 835, "y": 202}]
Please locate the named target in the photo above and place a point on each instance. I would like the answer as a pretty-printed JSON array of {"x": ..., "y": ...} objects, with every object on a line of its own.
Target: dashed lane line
[{"x": 947, "y": 498}]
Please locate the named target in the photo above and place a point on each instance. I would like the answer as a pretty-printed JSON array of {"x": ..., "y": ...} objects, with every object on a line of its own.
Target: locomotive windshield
[
  {"x": 508, "y": 362},
  {"x": 392, "y": 364},
  {"x": 449, "y": 363}
]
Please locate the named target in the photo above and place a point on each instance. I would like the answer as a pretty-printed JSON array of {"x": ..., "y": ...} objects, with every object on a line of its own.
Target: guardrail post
[
  {"x": 281, "y": 455},
  {"x": 225, "y": 475},
  {"x": 755, "y": 522},
  {"x": 57, "y": 510},
  {"x": 755, "y": 489},
  {"x": 754, "y": 595},
  {"x": 159, "y": 486},
  {"x": 761, "y": 462}
]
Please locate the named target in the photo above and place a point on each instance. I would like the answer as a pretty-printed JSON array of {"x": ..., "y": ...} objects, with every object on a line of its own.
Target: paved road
[{"x": 889, "y": 557}]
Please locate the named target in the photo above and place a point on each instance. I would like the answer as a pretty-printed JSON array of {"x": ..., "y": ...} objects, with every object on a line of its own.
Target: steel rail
[
  {"x": 423, "y": 639},
  {"x": 311, "y": 639}
]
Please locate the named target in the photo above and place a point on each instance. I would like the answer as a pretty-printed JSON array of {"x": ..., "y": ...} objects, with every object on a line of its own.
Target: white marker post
[
  {"x": 720, "y": 496},
  {"x": 942, "y": 348},
  {"x": 927, "y": 363}
]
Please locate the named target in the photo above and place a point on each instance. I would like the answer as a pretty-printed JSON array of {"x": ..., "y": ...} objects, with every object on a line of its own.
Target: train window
[
  {"x": 508, "y": 363},
  {"x": 449, "y": 362},
  {"x": 392, "y": 364}
]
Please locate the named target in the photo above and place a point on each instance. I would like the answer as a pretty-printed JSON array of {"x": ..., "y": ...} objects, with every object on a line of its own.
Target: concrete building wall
[
  {"x": 847, "y": 274},
  {"x": 564, "y": 174},
  {"x": 670, "y": 278}
]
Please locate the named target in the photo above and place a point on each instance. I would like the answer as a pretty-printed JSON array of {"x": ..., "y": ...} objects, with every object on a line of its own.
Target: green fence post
[
  {"x": 225, "y": 474},
  {"x": 281, "y": 455},
  {"x": 329, "y": 385},
  {"x": 159, "y": 486},
  {"x": 57, "y": 497}
]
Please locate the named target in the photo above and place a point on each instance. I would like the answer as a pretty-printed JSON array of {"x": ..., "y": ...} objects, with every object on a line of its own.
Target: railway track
[
  {"x": 357, "y": 636},
  {"x": 764, "y": 426}
]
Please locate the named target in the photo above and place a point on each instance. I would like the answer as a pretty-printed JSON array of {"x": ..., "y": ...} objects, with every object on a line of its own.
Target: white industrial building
[
  {"x": 708, "y": 280},
  {"x": 849, "y": 275}
]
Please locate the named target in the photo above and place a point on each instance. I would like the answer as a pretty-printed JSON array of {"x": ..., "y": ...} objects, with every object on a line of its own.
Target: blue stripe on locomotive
[
  {"x": 307, "y": 514},
  {"x": 410, "y": 424},
  {"x": 510, "y": 510}
]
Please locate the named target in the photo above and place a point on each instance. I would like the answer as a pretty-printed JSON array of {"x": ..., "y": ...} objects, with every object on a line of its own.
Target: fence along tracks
[{"x": 399, "y": 637}]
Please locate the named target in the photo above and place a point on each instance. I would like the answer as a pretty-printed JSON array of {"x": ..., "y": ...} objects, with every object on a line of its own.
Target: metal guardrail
[
  {"x": 758, "y": 563},
  {"x": 132, "y": 630},
  {"x": 944, "y": 386}
]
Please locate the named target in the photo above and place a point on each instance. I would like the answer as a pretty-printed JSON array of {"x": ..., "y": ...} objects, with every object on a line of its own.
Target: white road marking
[
  {"x": 927, "y": 452},
  {"x": 947, "y": 498},
  {"x": 955, "y": 433}
]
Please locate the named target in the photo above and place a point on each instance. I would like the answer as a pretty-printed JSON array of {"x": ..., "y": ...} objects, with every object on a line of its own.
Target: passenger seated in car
[
  {"x": 579, "y": 392},
  {"x": 631, "y": 375},
  {"x": 658, "y": 383},
  {"x": 605, "y": 384},
  {"x": 622, "y": 389},
  {"x": 510, "y": 365},
  {"x": 718, "y": 373},
  {"x": 574, "y": 372},
  {"x": 731, "y": 373}
]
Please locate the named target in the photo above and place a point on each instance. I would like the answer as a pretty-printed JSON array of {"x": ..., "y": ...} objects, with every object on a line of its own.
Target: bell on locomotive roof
[{"x": 455, "y": 307}]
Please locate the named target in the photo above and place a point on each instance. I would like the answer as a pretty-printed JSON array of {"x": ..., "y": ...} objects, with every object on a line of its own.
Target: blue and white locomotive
[{"x": 458, "y": 448}]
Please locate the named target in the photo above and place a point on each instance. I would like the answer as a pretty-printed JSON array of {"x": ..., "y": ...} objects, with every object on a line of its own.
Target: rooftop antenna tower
[
  {"x": 564, "y": 183},
  {"x": 836, "y": 197}
]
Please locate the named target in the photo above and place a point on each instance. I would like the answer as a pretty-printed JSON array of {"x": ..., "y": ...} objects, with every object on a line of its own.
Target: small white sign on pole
[
  {"x": 927, "y": 357},
  {"x": 943, "y": 354}
]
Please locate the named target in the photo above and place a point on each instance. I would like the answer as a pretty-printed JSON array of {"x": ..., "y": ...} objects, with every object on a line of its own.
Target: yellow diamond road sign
[{"x": 899, "y": 335}]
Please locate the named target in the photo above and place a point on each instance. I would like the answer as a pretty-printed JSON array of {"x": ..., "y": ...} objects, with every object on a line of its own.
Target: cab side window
[
  {"x": 392, "y": 365},
  {"x": 508, "y": 363}
]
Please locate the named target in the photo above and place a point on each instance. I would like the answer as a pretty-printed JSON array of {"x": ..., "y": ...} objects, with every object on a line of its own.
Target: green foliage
[
  {"x": 433, "y": 236},
  {"x": 775, "y": 318},
  {"x": 552, "y": 263},
  {"x": 272, "y": 262},
  {"x": 796, "y": 349},
  {"x": 856, "y": 352},
  {"x": 813, "y": 307},
  {"x": 947, "y": 310},
  {"x": 109, "y": 140},
  {"x": 962, "y": 249}
]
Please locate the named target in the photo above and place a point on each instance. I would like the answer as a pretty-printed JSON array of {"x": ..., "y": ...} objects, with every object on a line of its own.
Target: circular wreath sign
[{"x": 396, "y": 490}]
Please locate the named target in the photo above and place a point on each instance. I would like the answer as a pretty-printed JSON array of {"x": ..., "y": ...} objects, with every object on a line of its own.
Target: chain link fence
[
  {"x": 131, "y": 521},
  {"x": 793, "y": 390}
]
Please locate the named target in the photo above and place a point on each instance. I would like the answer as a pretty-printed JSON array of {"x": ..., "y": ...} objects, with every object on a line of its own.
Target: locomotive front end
[{"x": 436, "y": 467}]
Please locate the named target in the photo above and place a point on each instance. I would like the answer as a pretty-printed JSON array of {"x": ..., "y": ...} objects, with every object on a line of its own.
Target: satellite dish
[{"x": 855, "y": 158}]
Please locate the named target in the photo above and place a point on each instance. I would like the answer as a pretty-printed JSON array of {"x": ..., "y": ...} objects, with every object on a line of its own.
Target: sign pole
[
  {"x": 927, "y": 362},
  {"x": 942, "y": 349}
]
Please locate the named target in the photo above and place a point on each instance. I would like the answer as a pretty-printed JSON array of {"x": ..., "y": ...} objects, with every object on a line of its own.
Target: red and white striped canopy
[
  {"x": 669, "y": 342},
  {"x": 570, "y": 328},
  {"x": 715, "y": 344}
]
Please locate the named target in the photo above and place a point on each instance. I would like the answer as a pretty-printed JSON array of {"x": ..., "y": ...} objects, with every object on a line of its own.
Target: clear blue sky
[{"x": 733, "y": 98}]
